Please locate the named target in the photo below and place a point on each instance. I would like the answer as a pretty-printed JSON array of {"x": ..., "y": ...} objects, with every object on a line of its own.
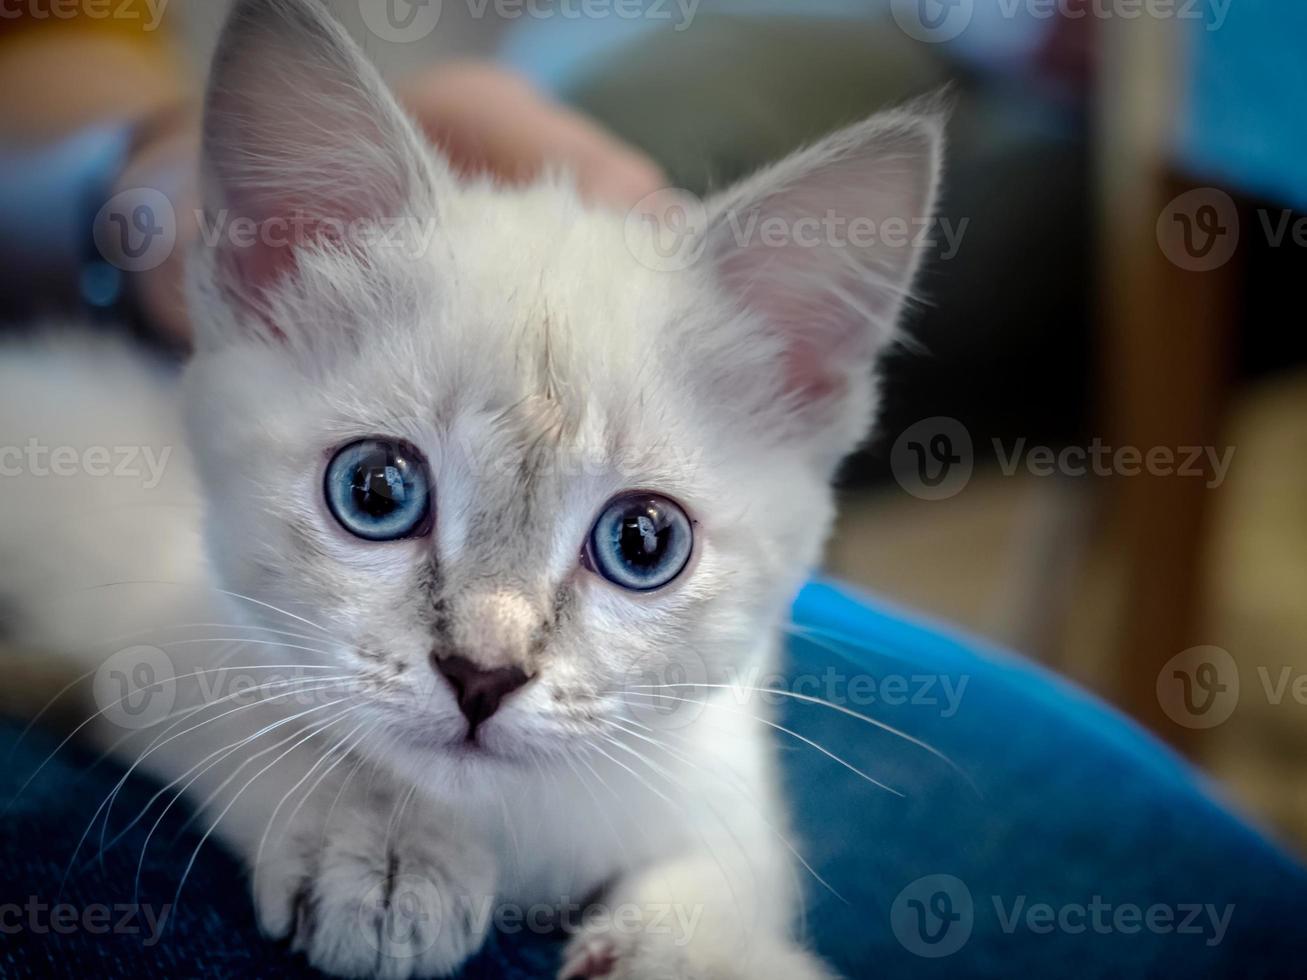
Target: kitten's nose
[{"x": 479, "y": 691}]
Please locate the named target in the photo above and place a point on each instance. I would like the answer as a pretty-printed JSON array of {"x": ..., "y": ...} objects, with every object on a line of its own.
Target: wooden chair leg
[{"x": 1166, "y": 357}]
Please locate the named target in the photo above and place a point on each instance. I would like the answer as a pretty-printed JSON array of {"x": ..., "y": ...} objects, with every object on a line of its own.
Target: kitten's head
[{"x": 495, "y": 456}]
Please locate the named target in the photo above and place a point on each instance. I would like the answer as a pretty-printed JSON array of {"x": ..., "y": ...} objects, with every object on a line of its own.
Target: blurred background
[{"x": 1094, "y": 444}]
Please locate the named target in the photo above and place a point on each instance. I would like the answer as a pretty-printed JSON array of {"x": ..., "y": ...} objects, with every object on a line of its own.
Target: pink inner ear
[
  {"x": 245, "y": 274},
  {"x": 270, "y": 255},
  {"x": 259, "y": 266},
  {"x": 821, "y": 249},
  {"x": 262, "y": 256},
  {"x": 808, "y": 377},
  {"x": 801, "y": 302}
]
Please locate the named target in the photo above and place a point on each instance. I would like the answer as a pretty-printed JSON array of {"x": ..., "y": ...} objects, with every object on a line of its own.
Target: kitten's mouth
[
  {"x": 471, "y": 743},
  {"x": 471, "y": 746},
  {"x": 476, "y": 752}
]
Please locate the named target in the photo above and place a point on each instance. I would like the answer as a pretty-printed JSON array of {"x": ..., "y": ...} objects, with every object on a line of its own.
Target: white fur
[{"x": 541, "y": 369}]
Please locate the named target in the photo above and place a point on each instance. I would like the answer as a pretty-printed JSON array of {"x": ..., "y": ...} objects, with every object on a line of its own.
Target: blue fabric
[
  {"x": 1056, "y": 800},
  {"x": 1244, "y": 121},
  {"x": 48, "y": 196}
]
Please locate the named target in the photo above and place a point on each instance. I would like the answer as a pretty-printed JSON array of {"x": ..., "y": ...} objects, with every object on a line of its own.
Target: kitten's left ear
[
  {"x": 301, "y": 138},
  {"x": 821, "y": 250}
]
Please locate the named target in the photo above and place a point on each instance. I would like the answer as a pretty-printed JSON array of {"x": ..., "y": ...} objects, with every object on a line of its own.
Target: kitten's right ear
[
  {"x": 302, "y": 137},
  {"x": 821, "y": 251}
]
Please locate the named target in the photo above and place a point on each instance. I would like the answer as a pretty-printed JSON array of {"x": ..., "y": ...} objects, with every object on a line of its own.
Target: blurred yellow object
[
  {"x": 66, "y": 63},
  {"x": 141, "y": 20}
]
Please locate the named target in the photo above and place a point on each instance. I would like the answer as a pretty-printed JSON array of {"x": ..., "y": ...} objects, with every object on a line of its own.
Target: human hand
[
  {"x": 484, "y": 118},
  {"x": 487, "y": 119}
]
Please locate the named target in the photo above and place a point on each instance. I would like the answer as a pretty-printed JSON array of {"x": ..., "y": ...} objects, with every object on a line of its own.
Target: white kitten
[{"x": 490, "y": 480}]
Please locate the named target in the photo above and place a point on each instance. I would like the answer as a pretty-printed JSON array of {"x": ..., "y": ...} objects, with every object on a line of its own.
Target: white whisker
[
  {"x": 809, "y": 699},
  {"x": 108, "y": 800},
  {"x": 224, "y": 752},
  {"x": 290, "y": 820},
  {"x": 199, "y": 810},
  {"x": 225, "y": 810},
  {"x": 749, "y": 798},
  {"x": 780, "y": 728},
  {"x": 727, "y": 877},
  {"x": 73, "y": 734},
  {"x": 158, "y": 744}
]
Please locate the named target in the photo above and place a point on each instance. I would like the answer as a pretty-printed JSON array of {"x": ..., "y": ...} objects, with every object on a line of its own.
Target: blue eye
[
  {"x": 379, "y": 490},
  {"x": 641, "y": 542}
]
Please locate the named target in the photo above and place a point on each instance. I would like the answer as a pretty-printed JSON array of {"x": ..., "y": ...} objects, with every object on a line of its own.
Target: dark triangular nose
[{"x": 479, "y": 691}]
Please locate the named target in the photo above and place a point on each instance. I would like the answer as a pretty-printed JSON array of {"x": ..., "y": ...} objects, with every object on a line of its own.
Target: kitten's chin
[
  {"x": 490, "y": 749},
  {"x": 436, "y": 747},
  {"x": 476, "y": 753}
]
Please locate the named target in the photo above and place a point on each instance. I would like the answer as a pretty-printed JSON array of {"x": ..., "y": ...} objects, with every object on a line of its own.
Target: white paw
[{"x": 365, "y": 899}]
